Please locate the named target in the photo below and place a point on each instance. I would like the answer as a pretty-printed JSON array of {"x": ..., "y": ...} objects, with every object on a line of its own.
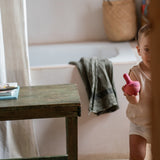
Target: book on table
[{"x": 9, "y": 90}]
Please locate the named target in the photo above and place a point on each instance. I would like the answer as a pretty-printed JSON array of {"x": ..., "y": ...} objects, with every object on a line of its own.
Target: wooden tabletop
[{"x": 42, "y": 102}]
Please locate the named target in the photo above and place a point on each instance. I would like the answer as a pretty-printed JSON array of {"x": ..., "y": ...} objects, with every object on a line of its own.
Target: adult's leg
[{"x": 137, "y": 147}]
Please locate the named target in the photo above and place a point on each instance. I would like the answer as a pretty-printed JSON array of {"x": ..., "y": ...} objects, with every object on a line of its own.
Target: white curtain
[
  {"x": 17, "y": 138},
  {"x": 2, "y": 56}
]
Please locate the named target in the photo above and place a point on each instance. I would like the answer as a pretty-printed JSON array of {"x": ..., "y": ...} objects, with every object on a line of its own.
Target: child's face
[{"x": 144, "y": 50}]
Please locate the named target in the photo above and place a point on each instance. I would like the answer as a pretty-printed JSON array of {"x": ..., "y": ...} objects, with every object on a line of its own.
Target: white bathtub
[{"x": 100, "y": 137}]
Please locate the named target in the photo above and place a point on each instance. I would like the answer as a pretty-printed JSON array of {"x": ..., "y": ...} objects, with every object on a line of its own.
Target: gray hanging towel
[{"x": 97, "y": 75}]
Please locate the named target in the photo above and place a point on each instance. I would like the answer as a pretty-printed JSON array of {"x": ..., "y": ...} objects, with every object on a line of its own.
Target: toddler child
[{"x": 139, "y": 107}]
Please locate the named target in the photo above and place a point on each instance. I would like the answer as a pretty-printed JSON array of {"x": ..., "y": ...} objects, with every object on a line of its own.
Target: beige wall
[{"x": 51, "y": 21}]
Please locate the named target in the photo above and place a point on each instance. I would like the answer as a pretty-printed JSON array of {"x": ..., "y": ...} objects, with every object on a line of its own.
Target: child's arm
[{"x": 132, "y": 99}]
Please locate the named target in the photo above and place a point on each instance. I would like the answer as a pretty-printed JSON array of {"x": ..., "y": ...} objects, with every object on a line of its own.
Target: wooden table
[{"x": 47, "y": 102}]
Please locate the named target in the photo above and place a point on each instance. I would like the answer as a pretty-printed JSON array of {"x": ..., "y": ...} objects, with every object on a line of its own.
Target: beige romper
[{"x": 140, "y": 114}]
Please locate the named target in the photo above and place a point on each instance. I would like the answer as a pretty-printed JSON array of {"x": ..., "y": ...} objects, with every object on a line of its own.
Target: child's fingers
[
  {"x": 127, "y": 95},
  {"x": 123, "y": 88},
  {"x": 136, "y": 94}
]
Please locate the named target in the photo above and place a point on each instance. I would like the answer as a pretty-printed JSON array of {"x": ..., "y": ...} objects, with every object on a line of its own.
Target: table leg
[{"x": 71, "y": 138}]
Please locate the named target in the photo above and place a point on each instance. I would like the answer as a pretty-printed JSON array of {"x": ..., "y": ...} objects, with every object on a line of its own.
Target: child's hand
[{"x": 132, "y": 99}]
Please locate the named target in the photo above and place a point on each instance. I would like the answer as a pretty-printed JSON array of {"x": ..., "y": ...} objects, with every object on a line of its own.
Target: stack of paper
[{"x": 9, "y": 90}]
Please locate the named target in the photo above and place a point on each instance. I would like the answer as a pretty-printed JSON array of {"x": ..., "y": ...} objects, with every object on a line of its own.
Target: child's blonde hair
[{"x": 144, "y": 30}]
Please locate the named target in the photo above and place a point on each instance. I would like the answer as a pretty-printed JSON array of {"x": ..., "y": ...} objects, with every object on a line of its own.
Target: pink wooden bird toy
[{"x": 131, "y": 87}]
